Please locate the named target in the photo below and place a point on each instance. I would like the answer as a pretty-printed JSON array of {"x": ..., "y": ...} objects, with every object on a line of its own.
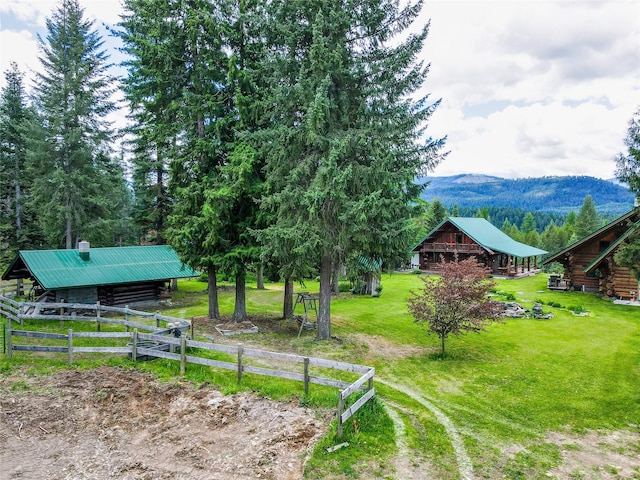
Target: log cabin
[
  {"x": 466, "y": 237},
  {"x": 589, "y": 263},
  {"x": 112, "y": 276}
]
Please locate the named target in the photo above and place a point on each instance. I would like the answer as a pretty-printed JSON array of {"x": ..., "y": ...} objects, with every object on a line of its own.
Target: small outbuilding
[
  {"x": 465, "y": 237},
  {"x": 112, "y": 276},
  {"x": 589, "y": 263}
]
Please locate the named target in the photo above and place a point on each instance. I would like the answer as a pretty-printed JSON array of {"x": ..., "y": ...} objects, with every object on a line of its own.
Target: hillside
[{"x": 543, "y": 194}]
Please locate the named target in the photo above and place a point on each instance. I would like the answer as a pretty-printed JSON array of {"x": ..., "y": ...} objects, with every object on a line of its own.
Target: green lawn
[{"x": 504, "y": 390}]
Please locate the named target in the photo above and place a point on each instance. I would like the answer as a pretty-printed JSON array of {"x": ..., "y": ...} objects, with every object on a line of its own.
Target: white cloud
[
  {"x": 20, "y": 47},
  {"x": 533, "y": 88}
]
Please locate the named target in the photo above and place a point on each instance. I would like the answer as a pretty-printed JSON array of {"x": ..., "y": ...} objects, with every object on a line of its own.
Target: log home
[
  {"x": 476, "y": 237},
  {"x": 112, "y": 276},
  {"x": 589, "y": 263}
]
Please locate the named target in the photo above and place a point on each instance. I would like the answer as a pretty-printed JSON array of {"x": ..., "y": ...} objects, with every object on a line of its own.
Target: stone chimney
[{"x": 83, "y": 250}]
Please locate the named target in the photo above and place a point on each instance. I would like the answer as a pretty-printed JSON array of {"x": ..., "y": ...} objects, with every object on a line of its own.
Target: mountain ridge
[{"x": 559, "y": 194}]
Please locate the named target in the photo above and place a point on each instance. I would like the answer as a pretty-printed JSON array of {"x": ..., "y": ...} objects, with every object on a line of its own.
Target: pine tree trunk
[
  {"x": 335, "y": 278},
  {"x": 287, "y": 304},
  {"x": 324, "y": 308},
  {"x": 260, "y": 279},
  {"x": 240, "y": 310},
  {"x": 214, "y": 309},
  {"x": 174, "y": 284}
]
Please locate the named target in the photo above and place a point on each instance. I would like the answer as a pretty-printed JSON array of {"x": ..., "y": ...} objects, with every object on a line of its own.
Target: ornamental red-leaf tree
[{"x": 456, "y": 301}]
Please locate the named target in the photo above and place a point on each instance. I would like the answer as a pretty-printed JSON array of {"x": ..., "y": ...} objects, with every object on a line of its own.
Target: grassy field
[
  {"x": 516, "y": 401},
  {"x": 509, "y": 389}
]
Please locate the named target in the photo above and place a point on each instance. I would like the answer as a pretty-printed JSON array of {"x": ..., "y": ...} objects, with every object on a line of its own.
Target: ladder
[{"x": 309, "y": 304}]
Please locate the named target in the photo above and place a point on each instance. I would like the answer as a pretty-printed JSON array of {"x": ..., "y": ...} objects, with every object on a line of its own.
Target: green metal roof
[
  {"x": 488, "y": 236},
  {"x": 105, "y": 266}
]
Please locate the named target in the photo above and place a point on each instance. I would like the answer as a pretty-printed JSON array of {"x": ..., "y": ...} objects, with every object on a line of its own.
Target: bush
[
  {"x": 577, "y": 309},
  {"x": 344, "y": 287}
]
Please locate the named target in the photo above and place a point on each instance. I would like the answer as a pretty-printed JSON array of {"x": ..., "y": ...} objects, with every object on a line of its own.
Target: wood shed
[{"x": 112, "y": 276}]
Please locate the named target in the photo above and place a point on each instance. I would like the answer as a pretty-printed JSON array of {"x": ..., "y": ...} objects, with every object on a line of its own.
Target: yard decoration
[{"x": 456, "y": 301}]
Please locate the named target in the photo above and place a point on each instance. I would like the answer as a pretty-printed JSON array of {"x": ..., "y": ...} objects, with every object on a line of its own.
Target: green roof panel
[
  {"x": 484, "y": 233},
  {"x": 105, "y": 266}
]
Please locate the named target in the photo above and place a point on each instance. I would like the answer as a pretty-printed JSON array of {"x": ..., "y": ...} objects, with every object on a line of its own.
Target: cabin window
[
  {"x": 604, "y": 244},
  {"x": 458, "y": 238}
]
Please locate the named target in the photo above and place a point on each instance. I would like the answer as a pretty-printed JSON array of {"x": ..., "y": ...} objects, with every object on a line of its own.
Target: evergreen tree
[
  {"x": 506, "y": 226},
  {"x": 588, "y": 219},
  {"x": 628, "y": 254},
  {"x": 628, "y": 171},
  {"x": 569, "y": 225},
  {"x": 438, "y": 213},
  {"x": 153, "y": 37},
  {"x": 483, "y": 213},
  {"x": 69, "y": 141},
  {"x": 176, "y": 87},
  {"x": 342, "y": 151},
  {"x": 454, "y": 210},
  {"x": 553, "y": 238},
  {"x": 192, "y": 79},
  {"x": 17, "y": 227},
  {"x": 628, "y": 165},
  {"x": 528, "y": 223}
]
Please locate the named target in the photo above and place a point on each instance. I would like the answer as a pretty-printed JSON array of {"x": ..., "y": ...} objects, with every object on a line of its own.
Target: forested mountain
[{"x": 544, "y": 194}]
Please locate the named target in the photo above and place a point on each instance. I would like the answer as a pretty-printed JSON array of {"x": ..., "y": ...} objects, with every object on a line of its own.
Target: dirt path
[
  {"x": 407, "y": 465},
  {"x": 464, "y": 462},
  {"x": 114, "y": 423}
]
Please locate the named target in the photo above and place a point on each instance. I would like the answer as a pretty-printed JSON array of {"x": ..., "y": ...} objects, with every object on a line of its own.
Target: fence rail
[
  {"x": 162, "y": 342},
  {"x": 15, "y": 288}
]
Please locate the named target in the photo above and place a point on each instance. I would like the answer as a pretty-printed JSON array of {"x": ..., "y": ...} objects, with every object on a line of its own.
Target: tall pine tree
[
  {"x": 16, "y": 230},
  {"x": 69, "y": 149},
  {"x": 588, "y": 219},
  {"x": 345, "y": 145}
]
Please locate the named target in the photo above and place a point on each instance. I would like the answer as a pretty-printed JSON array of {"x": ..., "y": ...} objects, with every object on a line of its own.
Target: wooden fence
[
  {"x": 170, "y": 341},
  {"x": 13, "y": 287}
]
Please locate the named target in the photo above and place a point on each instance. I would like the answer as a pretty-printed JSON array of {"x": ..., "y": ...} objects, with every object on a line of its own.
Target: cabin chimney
[{"x": 83, "y": 250}]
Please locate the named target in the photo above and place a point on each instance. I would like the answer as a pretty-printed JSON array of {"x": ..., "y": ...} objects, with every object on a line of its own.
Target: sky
[{"x": 528, "y": 88}]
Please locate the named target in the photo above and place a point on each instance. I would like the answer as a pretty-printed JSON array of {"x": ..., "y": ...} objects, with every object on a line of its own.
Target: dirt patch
[
  {"x": 596, "y": 455},
  {"x": 114, "y": 423}
]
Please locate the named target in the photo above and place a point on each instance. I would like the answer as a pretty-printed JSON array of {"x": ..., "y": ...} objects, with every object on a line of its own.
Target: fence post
[
  {"x": 70, "y": 347},
  {"x": 134, "y": 344},
  {"x": 8, "y": 334},
  {"x": 98, "y": 315},
  {"x": 306, "y": 376},
  {"x": 183, "y": 353},
  {"x": 340, "y": 407},
  {"x": 155, "y": 316},
  {"x": 62, "y": 312},
  {"x": 240, "y": 351},
  {"x": 126, "y": 316}
]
